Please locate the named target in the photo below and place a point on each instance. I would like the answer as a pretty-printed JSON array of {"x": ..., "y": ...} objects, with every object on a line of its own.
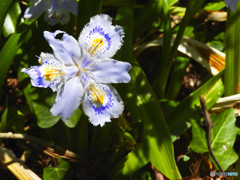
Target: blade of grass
[
  {"x": 11, "y": 19},
  {"x": 164, "y": 68},
  {"x": 4, "y": 6},
  {"x": 166, "y": 48},
  {"x": 7, "y": 55},
  {"x": 177, "y": 74},
  {"x": 146, "y": 18},
  {"x": 149, "y": 14},
  {"x": 232, "y": 69},
  {"x": 135, "y": 160}
]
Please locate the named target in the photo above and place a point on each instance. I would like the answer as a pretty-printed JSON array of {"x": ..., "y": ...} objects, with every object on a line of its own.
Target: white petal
[
  {"x": 102, "y": 102},
  {"x": 49, "y": 74},
  {"x": 53, "y": 19},
  {"x": 37, "y": 9},
  {"x": 111, "y": 71},
  {"x": 232, "y": 4},
  {"x": 56, "y": 14},
  {"x": 86, "y": 61},
  {"x": 68, "y": 98},
  {"x": 66, "y": 49},
  {"x": 100, "y": 38},
  {"x": 70, "y": 5}
]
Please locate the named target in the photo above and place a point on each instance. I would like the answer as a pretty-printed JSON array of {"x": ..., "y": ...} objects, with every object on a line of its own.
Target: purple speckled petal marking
[
  {"x": 49, "y": 74},
  {"x": 102, "y": 102},
  {"x": 99, "y": 38}
]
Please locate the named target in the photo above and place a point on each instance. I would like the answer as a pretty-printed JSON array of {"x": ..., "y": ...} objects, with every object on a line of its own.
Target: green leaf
[
  {"x": 232, "y": 67},
  {"x": 41, "y": 108},
  {"x": 11, "y": 19},
  {"x": 72, "y": 121},
  {"x": 146, "y": 18},
  {"x": 178, "y": 120},
  {"x": 223, "y": 136},
  {"x": 7, "y": 55},
  {"x": 29, "y": 91},
  {"x": 177, "y": 74},
  {"x": 199, "y": 142},
  {"x": 171, "y": 2},
  {"x": 135, "y": 160},
  {"x": 177, "y": 11},
  {"x": 144, "y": 107},
  {"x": 215, "y": 6},
  {"x": 4, "y": 5},
  {"x": 167, "y": 106},
  {"x": 165, "y": 64},
  {"x": 56, "y": 173}
]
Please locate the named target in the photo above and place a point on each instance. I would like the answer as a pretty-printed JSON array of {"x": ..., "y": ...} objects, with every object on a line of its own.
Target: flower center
[
  {"x": 56, "y": 15},
  {"x": 51, "y": 73},
  {"x": 56, "y": 10}
]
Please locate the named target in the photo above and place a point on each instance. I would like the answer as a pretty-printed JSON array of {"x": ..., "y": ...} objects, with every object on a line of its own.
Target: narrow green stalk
[
  {"x": 147, "y": 16},
  {"x": 164, "y": 68},
  {"x": 232, "y": 67},
  {"x": 165, "y": 64},
  {"x": 177, "y": 74}
]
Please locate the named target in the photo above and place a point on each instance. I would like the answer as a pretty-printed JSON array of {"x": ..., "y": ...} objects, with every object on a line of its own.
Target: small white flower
[
  {"x": 57, "y": 11},
  {"x": 80, "y": 70}
]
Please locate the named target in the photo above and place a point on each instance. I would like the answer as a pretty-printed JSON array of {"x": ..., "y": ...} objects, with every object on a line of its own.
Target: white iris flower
[
  {"x": 80, "y": 70},
  {"x": 232, "y": 4},
  {"x": 57, "y": 11}
]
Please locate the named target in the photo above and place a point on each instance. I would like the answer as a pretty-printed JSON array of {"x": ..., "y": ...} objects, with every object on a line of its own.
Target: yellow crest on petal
[
  {"x": 51, "y": 73},
  {"x": 97, "y": 94},
  {"x": 96, "y": 46}
]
